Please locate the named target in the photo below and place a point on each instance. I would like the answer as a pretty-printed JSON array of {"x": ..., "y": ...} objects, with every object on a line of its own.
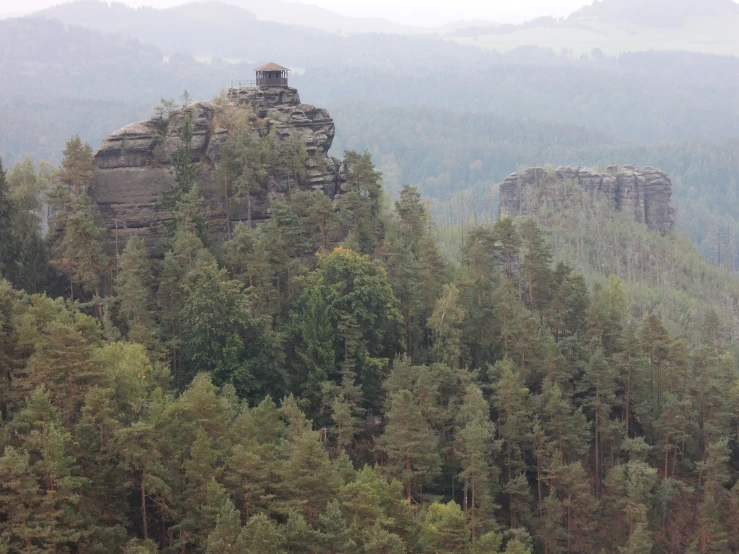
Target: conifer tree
[
  {"x": 476, "y": 291},
  {"x": 221, "y": 336},
  {"x": 133, "y": 292},
  {"x": 7, "y": 253},
  {"x": 28, "y": 268},
  {"x": 247, "y": 259},
  {"x": 510, "y": 401},
  {"x": 63, "y": 363},
  {"x": 655, "y": 342},
  {"x": 260, "y": 535},
  {"x": 222, "y": 539},
  {"x": 9, "y": 355},
  {"x": 361, "y": 308},
  {"x": 334, "y": 534},
  {"x": 509, "y": 243},
  {"x": 570, "y": 499},
  {"x": 362, "y": 201},
  {"x": 535, "y": 266},
  {"x": 142, "y": 459},
  {"x": 445, "y": 531},
  {"x": 186, "y": 171},
  {"x": 79, "y": 251},
  {"x": 713, "y": 536},
  {"x": 78, "y": 170},
  {"x": 475, "y": 448},
  {"x": 308, "y": 482},
  {"x": 599, "y": 387},
  {"x": 409, "y": 444}
]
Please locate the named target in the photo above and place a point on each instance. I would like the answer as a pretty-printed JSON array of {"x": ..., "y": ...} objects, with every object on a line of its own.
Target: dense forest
[
  {"x": 458, "y": 158},
  {"x": 350, "y": 376}
]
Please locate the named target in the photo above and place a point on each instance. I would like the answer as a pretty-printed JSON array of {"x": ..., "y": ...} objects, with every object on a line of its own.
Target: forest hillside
[{"x": 352, "y": 374}]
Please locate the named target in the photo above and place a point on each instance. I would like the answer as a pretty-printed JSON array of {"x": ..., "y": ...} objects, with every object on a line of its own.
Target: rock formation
[
  {"x": 134, "y": 163},
  {"x": 643, "y": 192}
]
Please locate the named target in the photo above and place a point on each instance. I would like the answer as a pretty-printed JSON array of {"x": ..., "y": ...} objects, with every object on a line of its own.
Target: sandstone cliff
[
  {"x": 134, "y": 163},
  {"x": 642, "y": 192}
]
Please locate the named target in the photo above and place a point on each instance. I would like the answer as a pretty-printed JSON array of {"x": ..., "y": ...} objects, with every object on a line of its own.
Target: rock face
[
  {"x": 642, "y": 192},
  {"x": 134, "y": 163}
]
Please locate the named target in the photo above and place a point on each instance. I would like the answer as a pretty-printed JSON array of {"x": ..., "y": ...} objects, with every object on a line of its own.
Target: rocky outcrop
[
  {"x": 134, "y": 163},
  {"x": 642, "y": 192}
]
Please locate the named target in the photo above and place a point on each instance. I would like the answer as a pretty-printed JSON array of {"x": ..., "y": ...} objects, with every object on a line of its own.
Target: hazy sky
[
  {"x": 430, "y": 12},
  {"x": 424, "y": 12}
]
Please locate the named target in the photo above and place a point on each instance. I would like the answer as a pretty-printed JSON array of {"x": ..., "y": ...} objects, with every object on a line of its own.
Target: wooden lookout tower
[{"x": 272, "y": 75}]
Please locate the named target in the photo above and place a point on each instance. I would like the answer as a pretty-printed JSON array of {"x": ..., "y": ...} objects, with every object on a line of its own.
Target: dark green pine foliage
[
  {"x": 186, "y": 170},
  {"x": 347, "y": 292},
  {"x": 410, "y": 446},
  {"x": 222, "y": 336},
  {"x": 7, "y": 248},
  {"x": 486, "y": 401},
  {"x": 362, "y": 202},
  {"x": 133, "y": 292}
]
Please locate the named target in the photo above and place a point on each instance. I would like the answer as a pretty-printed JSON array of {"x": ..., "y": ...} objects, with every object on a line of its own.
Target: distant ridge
[
  {"x": 654, "y": 13},
  {"x": 310, "y": 15},
  {"x": 285, "y": 12}
]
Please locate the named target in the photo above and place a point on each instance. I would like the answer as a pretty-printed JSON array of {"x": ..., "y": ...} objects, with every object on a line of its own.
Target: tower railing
[{"x": 243, "y": 84}]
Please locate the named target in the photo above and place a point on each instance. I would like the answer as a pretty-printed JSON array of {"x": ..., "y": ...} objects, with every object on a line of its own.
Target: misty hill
[
  {"x": 217, "y": 30},
  {"x": 615, "y": 26},
  {"x": 655, "y": 13},
  {"x": 276, "y": 11},
  {"x": 296, "y": 13},
  {"x": 196, "y": 28}
]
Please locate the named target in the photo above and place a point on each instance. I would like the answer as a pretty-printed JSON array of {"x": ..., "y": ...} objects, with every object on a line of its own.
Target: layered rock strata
[
  {"x": 134, "y": 164},
  {"x": 642, "y": 192}
]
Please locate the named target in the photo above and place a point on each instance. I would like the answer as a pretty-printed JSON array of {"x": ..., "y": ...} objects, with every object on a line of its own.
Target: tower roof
[{"x": 271, "y": 66}]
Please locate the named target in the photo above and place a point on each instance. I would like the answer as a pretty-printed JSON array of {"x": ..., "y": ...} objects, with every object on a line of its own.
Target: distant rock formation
[
  {"x": 643, "y": 192},
  {"x": 134, "y": 163}
]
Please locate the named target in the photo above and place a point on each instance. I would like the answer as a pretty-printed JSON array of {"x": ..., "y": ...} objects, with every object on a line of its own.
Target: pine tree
[
  {"x": 307, "y": 479},
  {"x": 28, "y": 267},
  {"x": 509, "y": 243},
  {"x": 655, "y": 342},
  {"x": 10, "y": 360},
  {"x": 63, "y": 363},
  {"x": 334, "y": 534},
  {"x": 260, "y": 535},
  {"x": 51, "y": 516},
  {"x": 142, "y": 459},
  {"x": 475, "y": 448},
  {"x": 7, "y": 253},
  {"x": 514, "y": 424},
  {"x": 247, "y": 259},
  {"x": 477, "y": 288},
  {"x": 186, "y": 171},
  {"x": 78, "y": 170},
  {"x": 21, "y": 498},
  {"x": 361, "y": 308},
  {"x": 409, "y": 444},
  {"x": 444, "y": 530},
  {"x": 222, "y": 539},
  {"x": 221, "y": 336},
  {"x": 535, "y": 266},
  {"x": 599, "y": 388},
  {"x": 133, "y": 292},
  {"x": 570, "y": 499},
  {"x": 79, "y": 252},
  {"x": 362, "y": 202},
  {"x": 713, "y": 536}
]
